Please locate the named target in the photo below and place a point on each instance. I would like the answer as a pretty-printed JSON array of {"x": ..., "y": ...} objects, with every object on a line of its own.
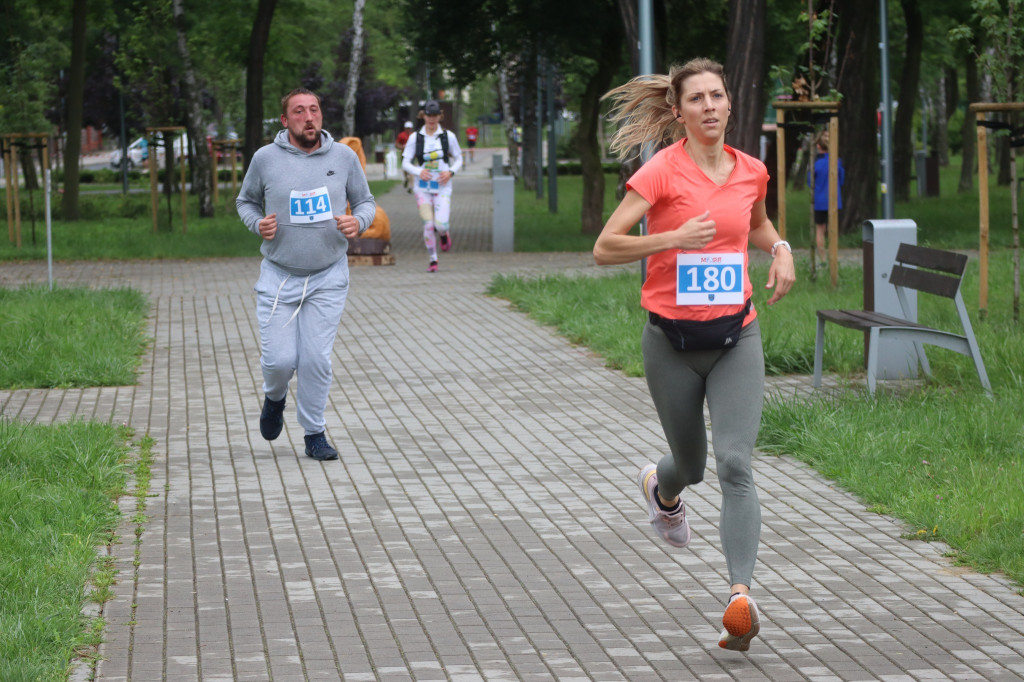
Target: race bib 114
[
  {"x": 310, "y": 206},
  {"x": 709, "y": 279}
]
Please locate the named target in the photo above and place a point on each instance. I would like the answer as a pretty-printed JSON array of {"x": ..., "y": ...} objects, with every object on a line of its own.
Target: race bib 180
[
  {"x": 709, "y": 278},
  {"x": 310, "y": 206}
]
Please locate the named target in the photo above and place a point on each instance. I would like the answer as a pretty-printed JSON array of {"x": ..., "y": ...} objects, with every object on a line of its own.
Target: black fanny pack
[{"x": 721, "y": 332}]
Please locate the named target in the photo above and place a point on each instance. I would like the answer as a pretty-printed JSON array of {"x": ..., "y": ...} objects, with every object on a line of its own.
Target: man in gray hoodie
[{"x": 294, "y": 196}]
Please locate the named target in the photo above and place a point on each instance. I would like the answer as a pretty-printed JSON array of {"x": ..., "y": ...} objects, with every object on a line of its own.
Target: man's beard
[{"x": 307, "y": 143}]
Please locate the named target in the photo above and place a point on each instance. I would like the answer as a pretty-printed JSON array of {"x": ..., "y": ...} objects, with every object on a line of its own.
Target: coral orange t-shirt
[{"x": 678, "y": 190}]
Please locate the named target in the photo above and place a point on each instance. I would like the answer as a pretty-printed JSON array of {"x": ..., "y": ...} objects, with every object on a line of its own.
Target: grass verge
[
  {"x": 58, "y": 487},
  {"x": 70, "y": 337}
]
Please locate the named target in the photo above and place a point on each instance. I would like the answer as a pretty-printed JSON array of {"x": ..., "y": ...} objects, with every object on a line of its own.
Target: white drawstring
[
  {"x": 278, "y": 295},
  {"x": 305, "y": 284}
]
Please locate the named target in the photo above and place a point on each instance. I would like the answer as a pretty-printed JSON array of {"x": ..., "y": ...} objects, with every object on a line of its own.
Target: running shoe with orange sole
[{"x": 742, "y": 623}]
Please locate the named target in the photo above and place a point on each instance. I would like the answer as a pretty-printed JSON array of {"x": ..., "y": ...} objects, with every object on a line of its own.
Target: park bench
[{"x": 931, "y": 271}]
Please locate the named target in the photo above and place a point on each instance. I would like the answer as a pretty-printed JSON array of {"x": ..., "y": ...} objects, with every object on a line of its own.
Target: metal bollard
[{"x": 503, "y": 214}]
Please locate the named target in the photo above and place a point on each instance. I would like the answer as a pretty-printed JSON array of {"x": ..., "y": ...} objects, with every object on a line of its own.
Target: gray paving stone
[{"x": 482, "y": 521}]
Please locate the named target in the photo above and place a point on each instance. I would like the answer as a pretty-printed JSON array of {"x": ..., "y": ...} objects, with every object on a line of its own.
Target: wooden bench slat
[
  {"x": 922, "y": 280},
  {"x": 933, "y": 259},
  {"x": 866, "y": 319}
]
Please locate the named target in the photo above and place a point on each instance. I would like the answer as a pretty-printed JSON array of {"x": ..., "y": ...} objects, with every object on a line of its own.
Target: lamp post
[
  {"x": 887, "y": 174},
  {"x": 646, "y": 61}
]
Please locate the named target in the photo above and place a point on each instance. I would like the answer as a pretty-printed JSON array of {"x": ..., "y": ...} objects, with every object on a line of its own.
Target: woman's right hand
[{"x": 695, "y": 233}]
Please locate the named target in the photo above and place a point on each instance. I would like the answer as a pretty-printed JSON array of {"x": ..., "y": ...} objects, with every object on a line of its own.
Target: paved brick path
[{"x": 483, "y": 521}]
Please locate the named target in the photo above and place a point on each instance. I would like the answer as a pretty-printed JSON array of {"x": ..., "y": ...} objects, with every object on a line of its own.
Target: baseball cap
[
  {"x": 408, "y": 124},
  {"x": 432, "y": 108}
]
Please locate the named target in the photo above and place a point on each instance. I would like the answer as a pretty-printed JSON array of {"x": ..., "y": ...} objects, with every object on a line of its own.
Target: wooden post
[
  {"x": 234, "y": 170},
  {"x": 46, "y": 157},
  {"x": 7, "y": 187},
  {"x": 16, "y": 198},
  {"x": 184, "y": 192},
  {"x": 214, "y": 146},
  {"x": 983, "y": 223},
  {"x": 780, "y": 155},
  {"x": 833, "y": 199},
  {"x": 980, "y": 109}
]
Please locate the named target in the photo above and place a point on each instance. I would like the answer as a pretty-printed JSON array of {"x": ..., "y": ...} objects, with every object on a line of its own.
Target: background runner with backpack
[{"x": 432, "y": 157}]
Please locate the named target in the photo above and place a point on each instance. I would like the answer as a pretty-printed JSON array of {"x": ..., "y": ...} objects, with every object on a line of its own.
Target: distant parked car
[{"x": 138, "y": 151}]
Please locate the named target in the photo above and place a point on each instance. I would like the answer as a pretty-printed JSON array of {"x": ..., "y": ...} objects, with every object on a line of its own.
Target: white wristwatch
[{"x": 781, "y": 242}]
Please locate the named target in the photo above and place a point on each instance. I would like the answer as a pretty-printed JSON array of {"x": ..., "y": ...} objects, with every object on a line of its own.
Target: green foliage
[
  {"x": 818, "y": 46},
  {"x": 57, "y": 490},
  {"x": 32, "y": 53},
  {"x": 997, "y": 38}
]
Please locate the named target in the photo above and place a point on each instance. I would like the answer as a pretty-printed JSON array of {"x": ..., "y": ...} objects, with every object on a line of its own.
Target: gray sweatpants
[
  {"x": 299, "y": 318},
  {"x": 732, "y": 380}
]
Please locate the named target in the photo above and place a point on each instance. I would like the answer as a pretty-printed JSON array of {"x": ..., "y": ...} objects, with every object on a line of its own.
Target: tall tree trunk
[
  {"x": 949, "y": 98},
  {"x": 202, "y": 177},
  {"x": 970, "y": 142},
  {"x": 354, "y": 65},
  {"x": 508, "y": 118},
  {"x": 744, "y": 68},
  {"x": 530, "y": 77},
  {"x": 858, "y": 141},
  {"x": 75, "y": 113},
  {"x": 588, "y": 146},
  {"x": 903, "y": 127},
  {"x": 254, "y": 78},
  {"x": 631, "y": 26}
]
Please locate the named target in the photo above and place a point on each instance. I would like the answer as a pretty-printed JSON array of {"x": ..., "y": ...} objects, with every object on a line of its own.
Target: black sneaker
[
  {"x": 319, "y": 449},
  {"x": 272, "y": 418}
]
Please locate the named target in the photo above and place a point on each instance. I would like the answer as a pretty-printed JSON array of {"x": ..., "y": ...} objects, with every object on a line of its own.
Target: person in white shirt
[{"x": 433, "y": 157}]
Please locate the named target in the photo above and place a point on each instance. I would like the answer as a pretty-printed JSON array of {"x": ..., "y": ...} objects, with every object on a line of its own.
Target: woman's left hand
[{"x": 781, "y": 275}]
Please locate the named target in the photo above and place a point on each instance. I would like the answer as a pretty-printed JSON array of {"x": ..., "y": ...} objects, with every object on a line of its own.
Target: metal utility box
[
  {"x": 882, "y": 239},
  {"x": 503, "y": 214}
]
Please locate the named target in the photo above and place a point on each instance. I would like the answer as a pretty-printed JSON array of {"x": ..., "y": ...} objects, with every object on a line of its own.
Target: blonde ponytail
[{"x": 642, "y": 108}]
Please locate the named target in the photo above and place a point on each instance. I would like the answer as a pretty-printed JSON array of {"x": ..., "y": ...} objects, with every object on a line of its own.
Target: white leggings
[
  {"x": 299, "y": 318},
  {"x": 435, "y": 211},
  {"x": 732, "y": 380}
]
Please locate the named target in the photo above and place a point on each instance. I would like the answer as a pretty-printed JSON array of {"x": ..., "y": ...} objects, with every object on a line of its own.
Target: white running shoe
[
  {"x": 670, "y": 525},
  {"x": 742, "y": 623}
]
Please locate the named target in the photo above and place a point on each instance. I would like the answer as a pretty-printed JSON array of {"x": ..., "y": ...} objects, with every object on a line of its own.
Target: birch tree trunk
[
  {"x": 355, "y": 62},
  {"x": 508, "y": 119},
  {"x": 202, "y": 177}
]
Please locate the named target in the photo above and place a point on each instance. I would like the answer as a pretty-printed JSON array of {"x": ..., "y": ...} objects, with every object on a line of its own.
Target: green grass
[
  {"x": 57, "y": 490},
  {"x": 945, "y": 458},
  {"x": 539, "y": 230},
  {"x": 119, "y": 227},
  {"x": 70, "y": 337}
]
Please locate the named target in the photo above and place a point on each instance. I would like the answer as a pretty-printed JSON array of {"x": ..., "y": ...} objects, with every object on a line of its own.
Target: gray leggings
[{"x": 733, "y": 382}]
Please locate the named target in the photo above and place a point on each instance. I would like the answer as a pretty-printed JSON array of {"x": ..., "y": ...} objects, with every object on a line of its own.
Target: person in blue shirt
[{"x": 821, "y": 190}]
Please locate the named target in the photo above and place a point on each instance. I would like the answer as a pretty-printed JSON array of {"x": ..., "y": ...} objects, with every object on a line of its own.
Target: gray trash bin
[{"x": 882, "y": 239}]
